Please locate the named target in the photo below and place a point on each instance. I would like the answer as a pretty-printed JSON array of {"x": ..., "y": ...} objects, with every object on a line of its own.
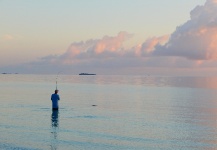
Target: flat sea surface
[{"x": 108, "y": 113}]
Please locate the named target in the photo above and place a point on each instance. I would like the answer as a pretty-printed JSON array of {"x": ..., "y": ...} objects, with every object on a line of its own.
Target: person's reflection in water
[
  {"x": 55, "y": 128},
  {"x": 54, "y": 118}
]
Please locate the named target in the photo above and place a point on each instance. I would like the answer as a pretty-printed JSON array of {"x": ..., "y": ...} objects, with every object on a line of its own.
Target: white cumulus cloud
[{"x": 196, "y": 39}]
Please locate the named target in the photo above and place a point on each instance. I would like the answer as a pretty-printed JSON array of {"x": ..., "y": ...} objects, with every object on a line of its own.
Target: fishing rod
[{"x": 57, "y": 79}]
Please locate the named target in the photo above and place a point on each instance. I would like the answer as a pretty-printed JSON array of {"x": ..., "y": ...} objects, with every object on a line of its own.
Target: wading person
[{"x": 55, "y": 98}]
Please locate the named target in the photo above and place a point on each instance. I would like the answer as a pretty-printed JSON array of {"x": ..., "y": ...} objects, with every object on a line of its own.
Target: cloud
[
  {"x": 191, "y": 45},
  {"x": 149, "y": 45},
  {"x": 105, "y": 48},
  {"x": 9, "y": 37},
  {"x": 107, "y": 51},
  {"x": 195, "y": 39}
]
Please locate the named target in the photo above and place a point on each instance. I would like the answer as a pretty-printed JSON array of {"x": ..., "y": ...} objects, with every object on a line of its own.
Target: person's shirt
[{"x": 55, "y": 98}]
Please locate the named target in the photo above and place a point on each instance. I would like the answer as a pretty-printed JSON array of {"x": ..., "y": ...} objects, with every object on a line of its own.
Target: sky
[{"x": 117, "y": 37}]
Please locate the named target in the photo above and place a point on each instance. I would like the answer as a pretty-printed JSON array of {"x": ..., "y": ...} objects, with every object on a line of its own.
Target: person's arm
[{"x": 58, "y": 97}]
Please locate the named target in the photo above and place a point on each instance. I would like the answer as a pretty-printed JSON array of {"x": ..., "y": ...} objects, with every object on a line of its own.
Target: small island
[
  {"x": 87, "y": 74},
  {"x": 9, "y": 73}
]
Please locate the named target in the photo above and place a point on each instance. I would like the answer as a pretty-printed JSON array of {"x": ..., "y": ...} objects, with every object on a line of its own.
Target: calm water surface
[{"x": 131, "y": 113}]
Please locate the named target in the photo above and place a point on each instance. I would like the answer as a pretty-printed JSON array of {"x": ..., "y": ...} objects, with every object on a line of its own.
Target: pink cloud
[
  {"x": 149, "y": 45},
  {"x": 191, "y": 45},
  {"x": 10, "y": 37},
  {"x": 196, "y": 39},
  {"x": 100, "y": 48},
  {"x": 112, "y": 44},
  {"x": 7, "y": 37}
]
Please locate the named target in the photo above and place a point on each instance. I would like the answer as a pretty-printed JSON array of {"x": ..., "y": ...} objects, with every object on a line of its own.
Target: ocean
[{"x": 108, "y": 112}]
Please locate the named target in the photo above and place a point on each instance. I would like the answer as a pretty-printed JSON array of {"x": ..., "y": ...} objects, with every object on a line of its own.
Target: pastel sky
[{"x": 109, "y": 36}]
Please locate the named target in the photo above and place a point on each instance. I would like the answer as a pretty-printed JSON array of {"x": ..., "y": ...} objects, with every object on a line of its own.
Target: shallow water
[{"x": 129, "y": 112}]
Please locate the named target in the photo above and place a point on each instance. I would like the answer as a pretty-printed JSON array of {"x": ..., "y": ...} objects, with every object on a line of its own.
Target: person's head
[{"x": 56, "y": 91}]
